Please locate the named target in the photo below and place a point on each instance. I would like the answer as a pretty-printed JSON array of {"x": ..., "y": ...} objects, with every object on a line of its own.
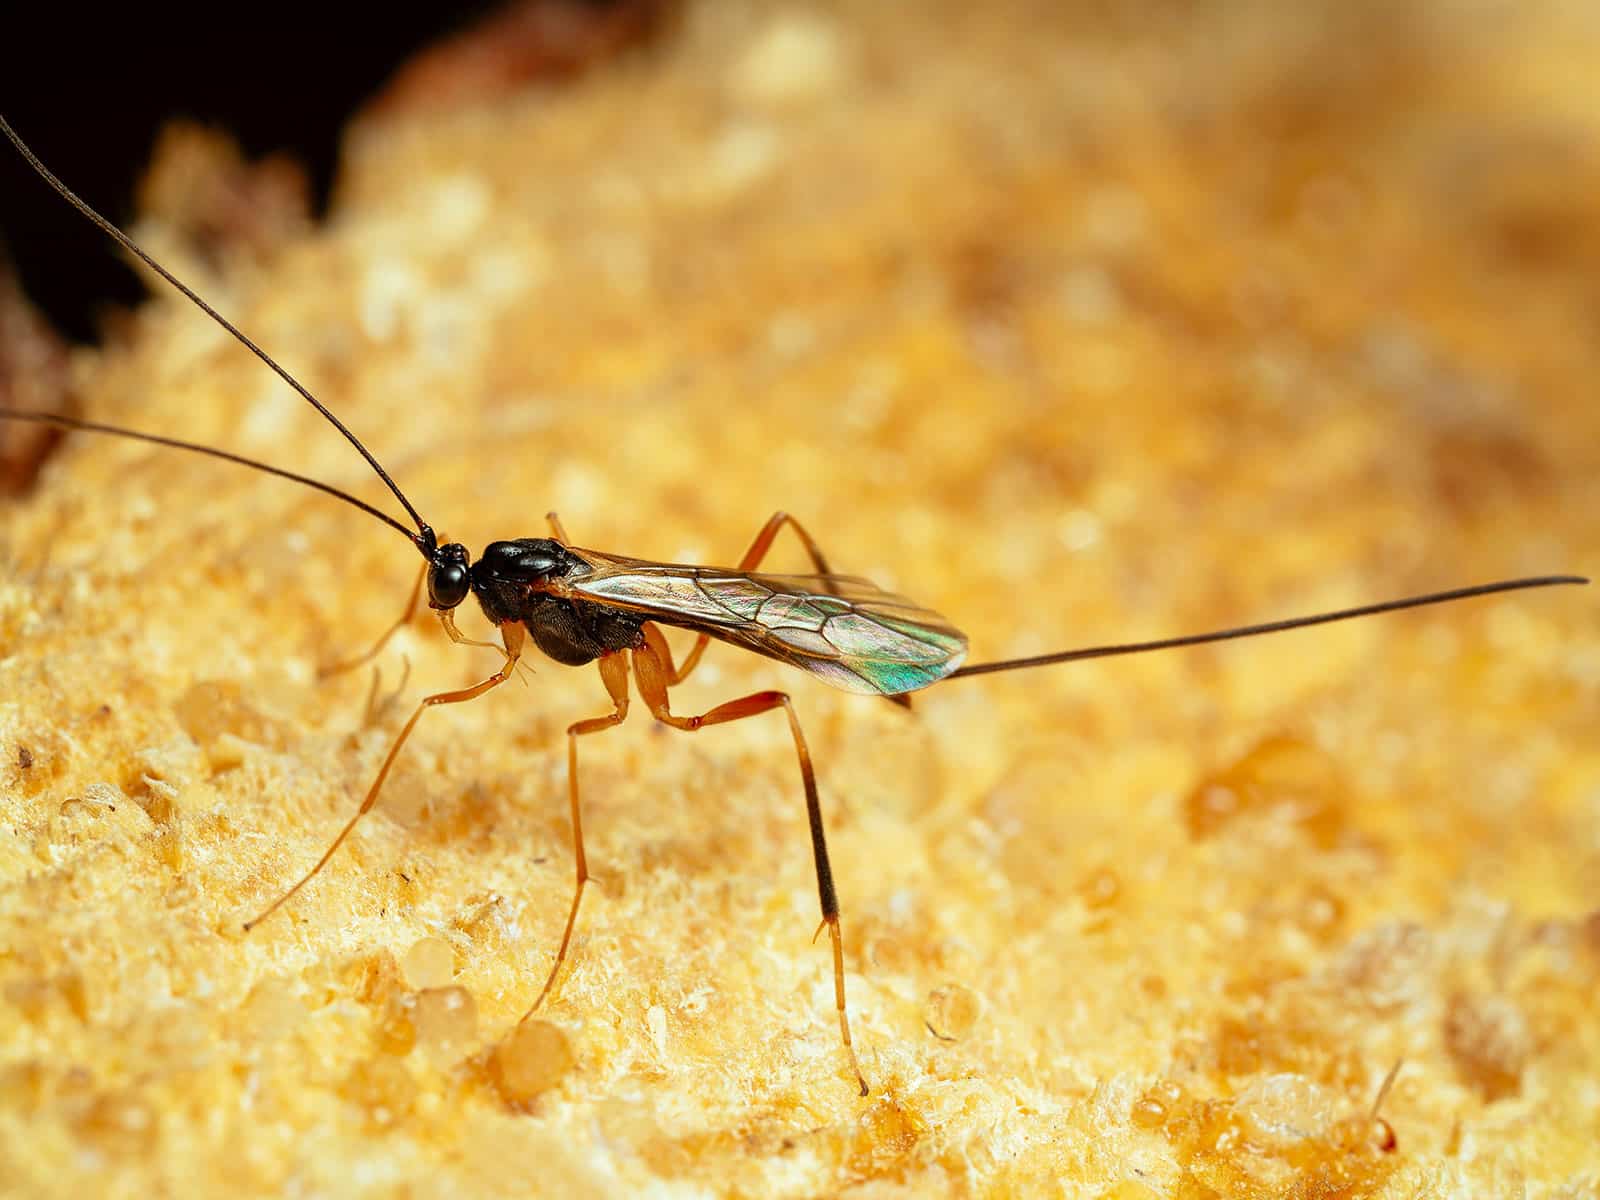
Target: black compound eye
[{"x": 448, "y": 584}]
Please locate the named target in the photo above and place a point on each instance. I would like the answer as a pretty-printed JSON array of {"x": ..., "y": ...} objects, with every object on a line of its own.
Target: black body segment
[
  {"x": 574, "y": 634},
  {"x": 512, "y": 582}
]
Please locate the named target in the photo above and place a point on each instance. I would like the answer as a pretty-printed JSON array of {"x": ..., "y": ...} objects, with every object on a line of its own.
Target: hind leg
[
  {"x": 652, "y": 668},
  {"x": 751, "y": 560}
]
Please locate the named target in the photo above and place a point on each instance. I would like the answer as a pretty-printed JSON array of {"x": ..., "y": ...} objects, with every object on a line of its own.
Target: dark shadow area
[{"x": 90, "y": 88}]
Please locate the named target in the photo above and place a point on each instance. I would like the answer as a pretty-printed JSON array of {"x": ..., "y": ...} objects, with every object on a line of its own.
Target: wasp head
[{"x": 449, "y": 576}]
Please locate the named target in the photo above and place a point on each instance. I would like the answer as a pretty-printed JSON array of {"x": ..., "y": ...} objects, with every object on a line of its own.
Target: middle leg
[{"x": 614, "y": 673}]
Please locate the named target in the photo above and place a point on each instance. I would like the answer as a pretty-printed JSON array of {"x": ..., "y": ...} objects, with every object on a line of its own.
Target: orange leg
[
  {"x": 513, "y": 635},
  {"x": 448, "y": 619},
  {"x": 751, "y": 560},
  {"x": 614, "y": 673},
  {"x": 351, "y": 664},
  {"x": 652, "y": 668},
  {"x": 376, "y": 708}
]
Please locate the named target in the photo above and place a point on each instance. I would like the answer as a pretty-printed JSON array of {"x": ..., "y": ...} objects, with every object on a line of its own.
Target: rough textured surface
[{"x": 1077, "y": 323}]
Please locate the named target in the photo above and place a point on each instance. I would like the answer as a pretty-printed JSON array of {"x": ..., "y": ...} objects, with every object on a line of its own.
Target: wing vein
[{"x": 842, "y": 628}]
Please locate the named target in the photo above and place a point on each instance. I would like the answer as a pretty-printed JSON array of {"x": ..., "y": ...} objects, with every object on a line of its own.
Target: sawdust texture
[{"x": 1077, "y": 322}]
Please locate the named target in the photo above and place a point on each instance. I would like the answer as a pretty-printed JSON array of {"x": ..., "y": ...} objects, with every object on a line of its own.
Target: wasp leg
[
  {"x": 758, "y": 548},
  {"x": 375, "y": 708},
  {"x": 557, "y": 530},
  {"x": 513, "y": 650},
  {"x": 751, "y": 560},
  {"x": 350, "y": 664},
  {"x": 614, "y": 673},
  {"x": 448, "y": 620},
  {"x": 652, "y": 668}
]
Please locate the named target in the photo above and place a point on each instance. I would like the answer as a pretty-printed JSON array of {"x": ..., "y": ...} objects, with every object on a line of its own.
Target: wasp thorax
[
  {"x": 529, "y": 581},
  {"x": 449, "y": 577},
  {"x": 525, "y": 560}
]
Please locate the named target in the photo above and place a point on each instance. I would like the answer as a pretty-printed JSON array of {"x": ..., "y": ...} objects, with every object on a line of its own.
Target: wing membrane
[{"x": 842, "y": 628}]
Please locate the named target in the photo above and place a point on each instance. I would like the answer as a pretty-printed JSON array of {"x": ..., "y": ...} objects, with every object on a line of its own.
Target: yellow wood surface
[{"x": 1077, "y": 323}]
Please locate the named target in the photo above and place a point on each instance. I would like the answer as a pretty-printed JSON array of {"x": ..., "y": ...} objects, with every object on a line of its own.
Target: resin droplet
[
  {"x": 1291, "y": 782},
  {"x": 1156, "y": 1107},
  {"x": 429, "y": 964},
  {"x": 531, "y": 1060},
  {"x": 952, "y": 1011},
  {"x": 119, "y": 1122},
  {"x": 396, "y": 1029},
  {"x": 272, "y": 1008},
  {"x": 1148, "y": 1113},
  {"x": 446, "y": 1021},
  {"x": 1100, "y": 889},
  {"x": 383, "y": 1088}
]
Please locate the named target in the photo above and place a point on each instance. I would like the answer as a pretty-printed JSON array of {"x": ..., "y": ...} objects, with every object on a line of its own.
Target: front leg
[
  {"x": 513, "y": 635},
  {"x": 447, "y": 618},
  {"x": 350, "y": 664}
]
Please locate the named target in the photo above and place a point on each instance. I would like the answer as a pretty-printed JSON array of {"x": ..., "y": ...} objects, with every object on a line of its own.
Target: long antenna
[
  {"x": 64, "y": 422},
  {"x": 1244, "y": 631},
  {"x": 424, "y": 538}
]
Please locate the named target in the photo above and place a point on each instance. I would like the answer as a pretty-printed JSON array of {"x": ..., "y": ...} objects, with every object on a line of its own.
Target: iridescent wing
[{"x": 841, "y": 628}]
